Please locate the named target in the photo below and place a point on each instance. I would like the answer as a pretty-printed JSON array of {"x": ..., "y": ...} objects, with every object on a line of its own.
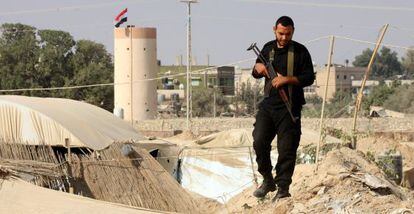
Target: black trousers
[{"x": 269, "y": 123}]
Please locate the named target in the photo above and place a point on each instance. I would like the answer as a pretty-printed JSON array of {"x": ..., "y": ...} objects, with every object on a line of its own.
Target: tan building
[
  {"x": 340, "y": 79},
  {"x": 135, "y": 60}
]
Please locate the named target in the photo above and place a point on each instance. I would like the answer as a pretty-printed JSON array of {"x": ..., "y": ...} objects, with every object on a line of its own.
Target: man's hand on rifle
[
  {"x": 261, "y": 69},
  {"x": 279, "y": 81}
]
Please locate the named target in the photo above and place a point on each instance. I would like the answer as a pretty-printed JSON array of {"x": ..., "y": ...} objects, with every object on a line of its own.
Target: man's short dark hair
[{"x": 285, "y": 21}]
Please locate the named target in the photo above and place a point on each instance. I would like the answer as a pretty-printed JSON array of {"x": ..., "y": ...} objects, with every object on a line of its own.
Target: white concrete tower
[{"x": 135, "y": 58}]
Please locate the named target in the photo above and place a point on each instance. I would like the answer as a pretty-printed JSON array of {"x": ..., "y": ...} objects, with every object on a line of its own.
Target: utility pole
[{"x": 188, "y": 97}]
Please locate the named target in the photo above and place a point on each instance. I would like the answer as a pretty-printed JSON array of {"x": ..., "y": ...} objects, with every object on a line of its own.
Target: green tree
[
  {"x": 54, "y": 69},
  {"x": 315, "y": 100},
  {"x": 92, "y": 64},
  {"x": 386, "y": 63},
  {"x": 363, "y": 59},
  {"x": 313, "y": 107},
  {"x": 203, "y": 104},
  {"x": 408, "y": 63},
  {"x": 19, "y": 52},
  {"x": 249, "y": 96},
  {"x": 31, "y": 58},
  {"x": 337, "y": 106},
  {"x": 377, "y": 96},
  {"x": 401, "y": 100}
]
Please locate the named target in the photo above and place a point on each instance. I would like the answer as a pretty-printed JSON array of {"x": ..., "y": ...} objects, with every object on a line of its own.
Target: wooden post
[
  {"x": 251, "y": 162},
  {"x": 214, "y": 102},
  {"x": 328, "y": 70},
  {"x": 358, "y": 100},
  {"x": 67, "y": 144}
]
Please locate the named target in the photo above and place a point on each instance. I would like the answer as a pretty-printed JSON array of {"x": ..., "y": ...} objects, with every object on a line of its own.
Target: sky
[{"x": 223, "y": 29}]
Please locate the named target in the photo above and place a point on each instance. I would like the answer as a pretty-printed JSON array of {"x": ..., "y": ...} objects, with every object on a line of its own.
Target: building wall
[
  {"x": 201, "y": 77},
  {"x": 340, "y": 79},
  {"x": 320, "y": 82},
  {"x": 135, "y": 57},
  {"x": 345, "y": 76}
]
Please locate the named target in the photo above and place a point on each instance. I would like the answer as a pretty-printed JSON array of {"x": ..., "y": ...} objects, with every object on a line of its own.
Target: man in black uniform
[{"x": 273, "y": 117}]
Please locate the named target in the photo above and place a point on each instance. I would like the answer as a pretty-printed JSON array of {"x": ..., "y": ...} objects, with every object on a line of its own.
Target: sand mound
[
  {"x": 346, "y": 182},
  {"x": 379, "y": 145}
]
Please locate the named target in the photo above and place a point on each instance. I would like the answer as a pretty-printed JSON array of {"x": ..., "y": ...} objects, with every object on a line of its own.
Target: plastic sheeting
[
  {"x": 219, "y": 166},
  {"x": 34, "y": 120}
]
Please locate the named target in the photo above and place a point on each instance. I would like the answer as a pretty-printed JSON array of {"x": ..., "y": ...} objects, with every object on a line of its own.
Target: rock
[
  {"x": 282, "y": 206},
  {"x": 246, "y": 206},
  {"x": 408, "y": 178},
  {"x": 322, "y": 190},
  {"x": 374, "y": 182},
  {"x": 337, "y": 206},
  {"x": 381, "y": 186},
  {"x": 342, "y": 176},
  {"x": 402, "y": 211},
  {"x": 298, "y": 208}
]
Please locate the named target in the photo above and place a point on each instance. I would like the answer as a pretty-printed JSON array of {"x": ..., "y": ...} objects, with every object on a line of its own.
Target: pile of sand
[
  {"x": 346, "y": 182},
  {"x": 380, "y": 145}
]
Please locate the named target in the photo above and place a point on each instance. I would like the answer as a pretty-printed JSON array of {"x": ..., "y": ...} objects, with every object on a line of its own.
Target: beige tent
[{"x": 49, "y": 121}]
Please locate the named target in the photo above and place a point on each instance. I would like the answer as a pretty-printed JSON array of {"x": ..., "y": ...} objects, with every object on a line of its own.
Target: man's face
[{"x": 283, "y": 34}]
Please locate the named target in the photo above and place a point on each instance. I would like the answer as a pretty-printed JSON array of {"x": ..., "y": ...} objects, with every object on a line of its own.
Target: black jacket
[{"x": 302, "y": 70}]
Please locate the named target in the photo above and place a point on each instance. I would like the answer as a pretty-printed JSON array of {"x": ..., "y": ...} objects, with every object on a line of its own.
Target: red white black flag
[{"x": 121, "y": 17}]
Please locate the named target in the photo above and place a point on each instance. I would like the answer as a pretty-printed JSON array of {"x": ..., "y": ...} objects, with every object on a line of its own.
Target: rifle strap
[{"x": 290, "y": 63}]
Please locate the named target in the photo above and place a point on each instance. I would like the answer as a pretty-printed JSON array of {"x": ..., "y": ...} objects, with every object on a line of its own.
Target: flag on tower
[{"x": 121, "y": 17}]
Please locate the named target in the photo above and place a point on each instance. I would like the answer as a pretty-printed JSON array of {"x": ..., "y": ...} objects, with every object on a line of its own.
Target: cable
[
  {"x": 373, "y": 43},
  {"x": 224, "y": 196},
  {"x": 123, "y": 83},
  {"x": 317, "y": 39},
  {"x": 406, "y": 30},
  {"x": 138, "y": 81},
  {"x": 348, "y": 6},
  {"x": 69, "y": 8}
]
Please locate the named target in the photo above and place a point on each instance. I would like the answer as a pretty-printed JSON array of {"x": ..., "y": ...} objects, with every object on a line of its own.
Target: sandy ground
[
  {"x": 379, "y": 145},
  {"x": 339, "y": 186},
  {"x": 18, "y": 196}
]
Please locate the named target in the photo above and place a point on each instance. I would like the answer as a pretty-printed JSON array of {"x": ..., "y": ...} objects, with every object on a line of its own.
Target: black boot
[
  {"x": 267, "y": 186},
  {"x": 282, "y": 192}
]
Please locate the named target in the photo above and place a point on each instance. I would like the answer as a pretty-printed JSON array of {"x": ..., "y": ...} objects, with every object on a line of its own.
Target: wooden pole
[
  {"x": 214, "y": 102},
  {"x": 251, "y": 162},
  {"x": 328, "y": 70},
  {"x": 67, "y": 144},
  {"x": 358, "y": 100}
]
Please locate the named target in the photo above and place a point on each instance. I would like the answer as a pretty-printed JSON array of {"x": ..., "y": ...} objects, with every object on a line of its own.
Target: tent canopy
[{"x": 49, "y": 121}]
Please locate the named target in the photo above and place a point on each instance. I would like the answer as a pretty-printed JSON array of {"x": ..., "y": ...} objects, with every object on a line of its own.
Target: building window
[
  {"x": 344, "y": 77},
  {"x": 195, "y": 81},
  {"x": 337, "y": 76},
  {"x": 212, "y": 81},
  {"x": 309, "y": 89}
]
